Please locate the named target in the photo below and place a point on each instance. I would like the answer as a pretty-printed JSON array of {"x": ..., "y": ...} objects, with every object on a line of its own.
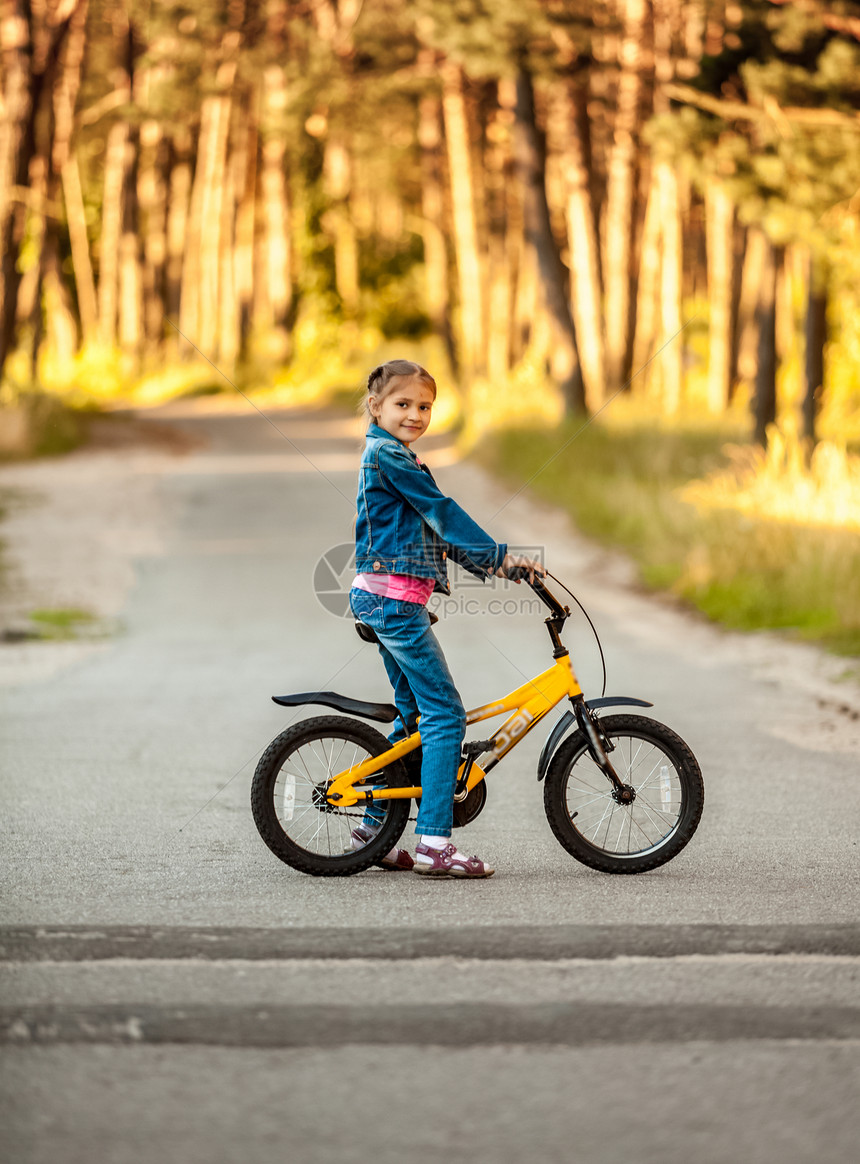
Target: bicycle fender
[
  {"x": 609, "y": 700},
  {"x": 568, "y": 719}
]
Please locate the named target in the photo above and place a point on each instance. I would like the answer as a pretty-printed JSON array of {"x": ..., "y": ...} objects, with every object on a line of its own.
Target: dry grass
[{"x": 752, "y": 541}]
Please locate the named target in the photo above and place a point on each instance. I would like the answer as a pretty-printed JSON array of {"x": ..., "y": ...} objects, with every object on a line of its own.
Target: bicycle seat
[
  {"x": 369, "y": 634},
  {"x": 381, "y": 712}
]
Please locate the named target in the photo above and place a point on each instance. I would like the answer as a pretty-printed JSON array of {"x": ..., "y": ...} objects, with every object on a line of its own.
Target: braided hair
[{"x": 381, "y": 378}]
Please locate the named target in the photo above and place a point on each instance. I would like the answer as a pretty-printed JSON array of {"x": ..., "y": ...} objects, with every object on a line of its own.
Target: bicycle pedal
[{"x": 476, "y": 747}]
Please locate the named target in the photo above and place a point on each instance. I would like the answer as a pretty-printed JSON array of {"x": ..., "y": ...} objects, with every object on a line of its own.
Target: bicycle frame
[{"x": 528, "y": 705}]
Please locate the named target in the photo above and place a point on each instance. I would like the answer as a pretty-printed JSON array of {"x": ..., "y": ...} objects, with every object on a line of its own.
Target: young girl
[{"x": 406, "y": 531}]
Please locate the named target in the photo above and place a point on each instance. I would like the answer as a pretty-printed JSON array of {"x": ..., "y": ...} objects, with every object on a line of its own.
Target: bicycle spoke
[
  {"x": 593, "y": 812},
  {"x": 327, "y": 831},
  {"x": 656, "y": 823},
  {"x": 630, "y": 758},
  {"x": 647, "y": 779},
  {"x": 602, "y": 796},
  {"x": 629, "y": 829},
  {"x": 642, "y": 831},
  {"x": 305, "y": 766},
  {"x": 600, "y": 822},
  {"x": 303, "y": 814},
  {"x": 317, "y": 756},
  {"x": 597, "y": 773}
]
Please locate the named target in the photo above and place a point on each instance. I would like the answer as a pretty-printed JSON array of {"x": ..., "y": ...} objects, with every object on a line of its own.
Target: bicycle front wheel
[
  {"x": 292, "y": 814},
  {"x": 617, "y": 837}
]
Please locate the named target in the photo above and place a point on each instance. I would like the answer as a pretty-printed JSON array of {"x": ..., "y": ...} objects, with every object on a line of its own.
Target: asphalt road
[{"x": 171, "y": 991}]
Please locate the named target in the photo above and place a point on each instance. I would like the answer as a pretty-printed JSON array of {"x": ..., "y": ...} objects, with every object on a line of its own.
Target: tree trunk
[
  {"x": 66, "y": 80},
  {"x": 30, "y": 290},
  {"x": 497, "y": 180},
  {"x": 227, "y": 339},
  {"x": 585, "y": 275},
  {"x": 152, "y": 199},
  {"x": 178, "y": 198},
  {"x": 530, "y": 165},
  {"x": 720, "y": 238},
  {"x": 521, "y": 276},
  {"x": 755, "y": 259},
  {"x": 30, "y": 45},
  {"x": 739, "y": 237},
  {"x": 246, "y": 160},
  {"x": 120, "y": 290},
  {"x": 436, "y": 282},
  {"x": 649, "y": 284},
  {"x": 62, "y": 331},
  {"x": 130, "y": 303},
  {"x": 16, "y": 149},
  {"x": 621, "y": 169},
  {"x": 471, "y": 291},
  {"x": 200, "y": 268},
  {"x": 816, "y": 340},
  {"x": 791, "y": 289},
  {"x": 671, "y": 359},
  {"x": 112, "y": 203},
  {"x": 78, "y": 238},
  {"x": 764, "y": 399},
  {"x": 273, "y": 296},
  {"x": 214, "y": 162},
  {"x": 337, "y": 168},
  {"x": 525, "y": 309},
  {"x": 671, "y": 343}
]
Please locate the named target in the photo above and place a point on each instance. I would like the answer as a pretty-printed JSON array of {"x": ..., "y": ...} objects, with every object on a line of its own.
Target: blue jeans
[{"x": 422, "y": 686}]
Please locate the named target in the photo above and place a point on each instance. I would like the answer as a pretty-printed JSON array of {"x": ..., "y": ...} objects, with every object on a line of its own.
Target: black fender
[
  {"x": 381, "y": 712},
  {"x": 568, "y": 720}
]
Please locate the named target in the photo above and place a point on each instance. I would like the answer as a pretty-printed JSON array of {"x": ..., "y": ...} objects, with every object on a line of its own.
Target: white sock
[
  {"x": 391, "y": 855},
  {"x": 437, "y": 843}
]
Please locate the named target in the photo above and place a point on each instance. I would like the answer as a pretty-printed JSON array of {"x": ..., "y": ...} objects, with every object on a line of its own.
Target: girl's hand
[{"x": 532, "y": 565}]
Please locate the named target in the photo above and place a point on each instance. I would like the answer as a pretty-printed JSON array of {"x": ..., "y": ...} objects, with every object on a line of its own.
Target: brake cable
[{"x": 590, "y": 623}]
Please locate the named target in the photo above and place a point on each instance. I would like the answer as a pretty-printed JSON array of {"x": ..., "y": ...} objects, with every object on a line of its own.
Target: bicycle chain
[{"x": 360, "y": 815}]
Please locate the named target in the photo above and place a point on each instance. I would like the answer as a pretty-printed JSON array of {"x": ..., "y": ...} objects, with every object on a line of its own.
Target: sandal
[
  {"x": 445, "y": 863},
  {"x": 362, "y": 835}
]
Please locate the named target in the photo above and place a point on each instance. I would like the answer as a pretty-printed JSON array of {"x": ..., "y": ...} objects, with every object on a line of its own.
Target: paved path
[{"x": 170, "y": 990}]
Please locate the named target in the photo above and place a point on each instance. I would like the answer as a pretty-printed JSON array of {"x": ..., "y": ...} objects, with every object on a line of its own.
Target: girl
[{"x": 406, "y": 531}]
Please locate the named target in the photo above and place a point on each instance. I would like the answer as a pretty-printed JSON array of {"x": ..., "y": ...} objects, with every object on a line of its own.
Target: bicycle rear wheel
[
  {"x": 288, "y": 797},
  {"x": 625, "y": 838}
]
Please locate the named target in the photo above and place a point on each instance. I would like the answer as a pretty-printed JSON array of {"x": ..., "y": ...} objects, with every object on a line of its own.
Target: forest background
[{"x": 624, "y": 235}]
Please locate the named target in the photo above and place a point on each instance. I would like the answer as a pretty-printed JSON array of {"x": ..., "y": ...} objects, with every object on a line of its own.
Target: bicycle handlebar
[
  {"x": 540, "y": 588},
  {"x": 516, "y": 572},
  {"x": 560, "y": 613}
]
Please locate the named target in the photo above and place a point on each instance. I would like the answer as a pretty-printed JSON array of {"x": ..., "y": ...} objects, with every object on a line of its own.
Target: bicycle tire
[
  {"x": 660, "y": 849},
  {"x": 264, "y": 796}
]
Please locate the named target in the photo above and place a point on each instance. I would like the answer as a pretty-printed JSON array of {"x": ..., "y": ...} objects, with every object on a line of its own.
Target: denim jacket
[{"x": 406, "y": 525}]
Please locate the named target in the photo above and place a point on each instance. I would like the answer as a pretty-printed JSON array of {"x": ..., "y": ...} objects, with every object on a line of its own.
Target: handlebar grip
[{"x": 520, "y": 572}]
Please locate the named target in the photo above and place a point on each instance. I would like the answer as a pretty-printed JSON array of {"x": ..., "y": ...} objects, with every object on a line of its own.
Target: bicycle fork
[{"x": 598, "y": 746}]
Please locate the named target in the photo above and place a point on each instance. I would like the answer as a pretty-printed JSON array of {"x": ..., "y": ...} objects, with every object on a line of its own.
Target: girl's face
[{"x": 405, "y": 410}]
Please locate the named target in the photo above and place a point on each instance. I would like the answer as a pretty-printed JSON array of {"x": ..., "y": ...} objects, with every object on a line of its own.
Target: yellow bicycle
[{"x": 622, "y": 793}]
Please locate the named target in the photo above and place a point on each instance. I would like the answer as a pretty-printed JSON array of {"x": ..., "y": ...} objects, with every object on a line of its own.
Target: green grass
[
  {"x": 62, "y": 623},
  {"x": 619, "y": 482},
  {"x": 53, "y": 427}
]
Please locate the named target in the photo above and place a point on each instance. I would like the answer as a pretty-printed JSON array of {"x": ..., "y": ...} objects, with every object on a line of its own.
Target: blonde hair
[{"x": 380, "y": 381}]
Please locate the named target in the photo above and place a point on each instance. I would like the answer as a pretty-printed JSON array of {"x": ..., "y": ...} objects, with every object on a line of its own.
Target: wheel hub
[
  {"x": 319, "y": 799},
  {"x": 626, "y": 794}
]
